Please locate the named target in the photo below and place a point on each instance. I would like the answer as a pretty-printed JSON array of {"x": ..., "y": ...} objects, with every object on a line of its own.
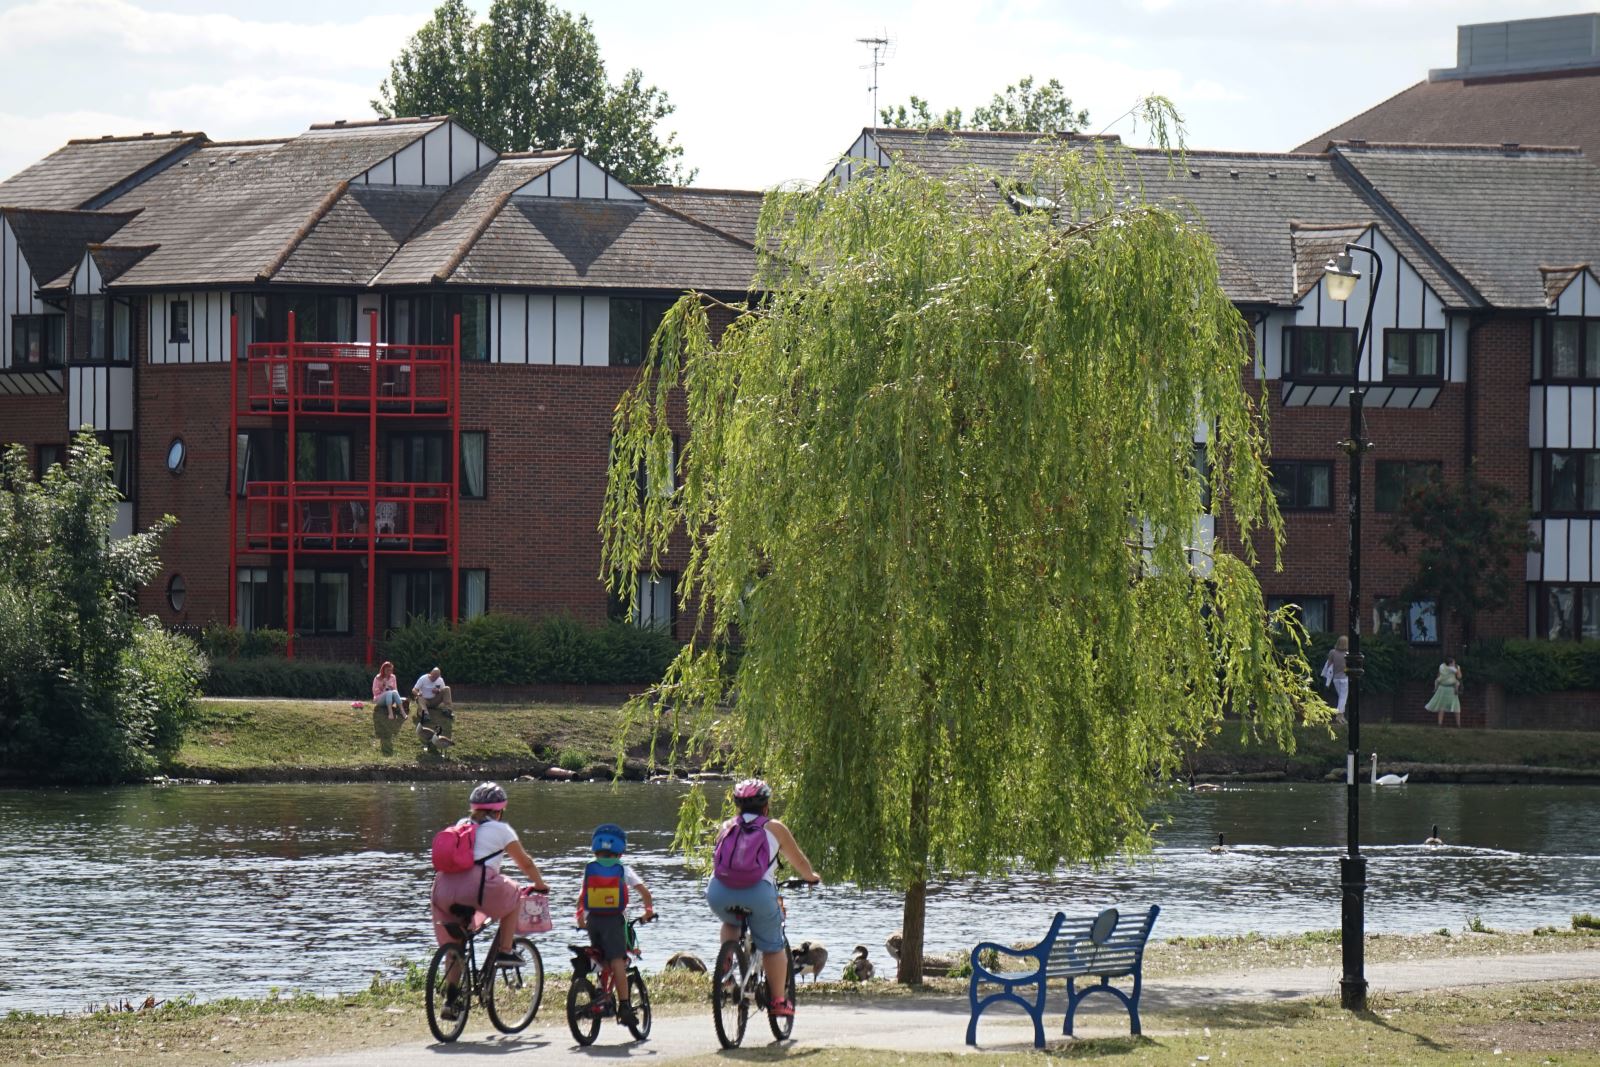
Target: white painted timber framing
[
  {"x": 865, "y": 150},
  {"x": 101, "y": 397},
  {"x": 86, "y": 280},
  {"x": 550, "y": 328},
  {"x": 1403, "y": 301},
  {"x": 442, "y": 156},
  {"x": 578, "y": 178},
  {"x": 1581, "y": 297},
  {"x": 210, "y": 331}
]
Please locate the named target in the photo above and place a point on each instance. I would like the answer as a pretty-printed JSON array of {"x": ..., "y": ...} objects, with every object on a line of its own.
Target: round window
[
  {"x": 177, "y": 592},
  {"x": 176, "y": 454}
]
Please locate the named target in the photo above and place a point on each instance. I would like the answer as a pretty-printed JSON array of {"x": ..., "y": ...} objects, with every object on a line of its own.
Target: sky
[{"x": 765, "y": 93}]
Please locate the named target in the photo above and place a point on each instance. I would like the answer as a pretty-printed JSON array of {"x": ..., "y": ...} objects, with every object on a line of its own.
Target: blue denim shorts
[{"x": 766, "y": 920}]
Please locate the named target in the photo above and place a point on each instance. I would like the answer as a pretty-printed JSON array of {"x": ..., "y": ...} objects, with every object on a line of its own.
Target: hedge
[
  {"x": 488, "y": 650},
  {"x": 1523, "y": 667}
]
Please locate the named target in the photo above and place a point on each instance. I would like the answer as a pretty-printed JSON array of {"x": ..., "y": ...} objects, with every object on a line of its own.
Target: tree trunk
[
  {"x": 911, "y": 928},
  {"x": 913, "y": 918}
]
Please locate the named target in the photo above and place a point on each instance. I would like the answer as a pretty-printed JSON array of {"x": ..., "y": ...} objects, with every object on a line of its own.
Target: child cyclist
[
  {"x": 744, "y": 875},
  {"x": 603, "y": 904},
  {"x": 482, "y": 886}
]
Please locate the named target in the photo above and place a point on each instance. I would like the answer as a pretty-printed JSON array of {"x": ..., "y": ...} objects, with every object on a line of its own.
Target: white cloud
[
  {"x": 25, "y": 139},
  {"x": 276, "y": 105}
]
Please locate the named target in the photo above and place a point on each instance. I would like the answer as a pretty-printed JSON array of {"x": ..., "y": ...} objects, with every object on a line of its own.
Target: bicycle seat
[
  {"x": 464, "y": 912},
  {"x": 743, "y": 913}
]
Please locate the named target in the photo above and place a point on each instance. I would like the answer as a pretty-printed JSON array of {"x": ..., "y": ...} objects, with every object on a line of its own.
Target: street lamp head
[{"x": 1341, "y": 275}]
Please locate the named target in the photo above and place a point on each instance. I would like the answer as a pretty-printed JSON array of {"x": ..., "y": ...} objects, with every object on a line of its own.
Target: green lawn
[{"x": 1317, "y": 750}]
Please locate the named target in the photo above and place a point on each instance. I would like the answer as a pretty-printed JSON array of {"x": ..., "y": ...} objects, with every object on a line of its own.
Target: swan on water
[
  {"x": 1387, "y": 779},
  {"x": 1433, "y": 837}
]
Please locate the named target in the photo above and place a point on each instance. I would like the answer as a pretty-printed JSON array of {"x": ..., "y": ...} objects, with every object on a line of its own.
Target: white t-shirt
[
  {"x": 493, "y": 836},
  {"x": 428, "y": 686}
]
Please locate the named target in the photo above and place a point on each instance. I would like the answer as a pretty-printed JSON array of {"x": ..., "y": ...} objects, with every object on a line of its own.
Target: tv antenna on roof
[{"x": 882, "y": 48}]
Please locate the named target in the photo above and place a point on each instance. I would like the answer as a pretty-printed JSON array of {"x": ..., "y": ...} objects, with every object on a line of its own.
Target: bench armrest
[{"x": 980, "y": 972}]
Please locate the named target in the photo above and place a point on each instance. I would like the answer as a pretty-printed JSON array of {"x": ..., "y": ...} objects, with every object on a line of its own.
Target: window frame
[
  {"x": 270, "y": 577},
  {"x": 1274, "y": 601},
  {"x": 177, "y": 593},
  {"x": 437, "y": 577},
  {"x": 1292, "y": 338},
  {"x": 646, "y": 319},
  {"x": 1545, "y": 489},
  {"x": 1299, "y": 467},
  {"x": 317, "y": 576},
  {"x": 1577, "y": 631},
  {"x": 408, "y": 476},
  {"x": 433, "y": 328},
  {"x": 1588, "y": 354},
  {"x": 465, "y": 572},
  {"x": 179, "y": 331},
  {"x": 1410, "y": 335},
  {"x": 126, "y": 480},
  {"x": 1406, "y": 481},
  {"x": 51, "y": 327},
  {"x": 483, "y": 459},
  {"x": 321, "y": 454},
  {"x": 40, "y": 466}
]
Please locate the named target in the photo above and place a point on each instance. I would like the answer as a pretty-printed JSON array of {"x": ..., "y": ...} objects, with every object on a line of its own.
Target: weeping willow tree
[{"x": 936, "y": 520}]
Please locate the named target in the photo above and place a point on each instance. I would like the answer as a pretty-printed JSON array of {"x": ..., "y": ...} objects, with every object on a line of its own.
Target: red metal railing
[
  {"x": 399, "y": 518},
  {"x": 320, "y": 379}
]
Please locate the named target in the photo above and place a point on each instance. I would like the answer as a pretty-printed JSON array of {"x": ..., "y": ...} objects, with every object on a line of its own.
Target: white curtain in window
[
  {"x": 472, "y": 464},
  {"x": 475, "y": 593},
  {"x": 334, "y": 606},
  {"x": 655, "y": 602}
]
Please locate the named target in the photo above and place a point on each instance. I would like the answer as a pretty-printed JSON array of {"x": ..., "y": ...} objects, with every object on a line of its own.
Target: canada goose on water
[
  {"x": 812, "y": 954},
  {"x": 860, "y": 968},
  {"x": 1221, "y": 845},
  {"x": 686, "y": 961},
  {"x": 1387, "y": 779},
  {"x": 1203, "y": 787},
  {"x": 1433, "y": 836}
]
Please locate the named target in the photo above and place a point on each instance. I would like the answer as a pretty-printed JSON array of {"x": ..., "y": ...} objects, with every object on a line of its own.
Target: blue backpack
[{"x": 605, "y": 888}]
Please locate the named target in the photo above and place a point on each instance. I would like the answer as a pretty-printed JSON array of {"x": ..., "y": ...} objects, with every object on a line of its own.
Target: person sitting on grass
[
  {"x": 603, "y": 904},
  {"x": 432, "y": 694},
  {"x": 386, "y": 692}
]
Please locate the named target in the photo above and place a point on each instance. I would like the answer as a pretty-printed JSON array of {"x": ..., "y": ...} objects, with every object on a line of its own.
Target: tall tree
[
  {"x": 1022, "y": 106},
  {"x": 1466, "y": 537},
  {"x": 532, "y": 77},
  {"x": 938, "y": 497}
]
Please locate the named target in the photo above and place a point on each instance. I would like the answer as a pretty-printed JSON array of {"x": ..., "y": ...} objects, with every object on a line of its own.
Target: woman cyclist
[
  {"x": 482, "y": 886},
  {"x": 761, "y": 899}
]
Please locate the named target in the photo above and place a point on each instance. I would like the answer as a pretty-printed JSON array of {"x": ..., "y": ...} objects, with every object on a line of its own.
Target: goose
[
  {"x": 812, "y": 954},
  {"x": 1203, "y": 787},
  {"x": 1433, "y": 837},
  {"x": 1221, "y": 846},
  {"x": 1387, "y": 779},
  {"x": 859, "y": 969},
  {"x": 686, "y": 961}
]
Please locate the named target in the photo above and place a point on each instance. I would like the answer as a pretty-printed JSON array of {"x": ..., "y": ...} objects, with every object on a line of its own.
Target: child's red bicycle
[{"x": 591, "y": 997}]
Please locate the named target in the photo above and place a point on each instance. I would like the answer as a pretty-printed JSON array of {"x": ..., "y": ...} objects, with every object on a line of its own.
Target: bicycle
[
  {"x": 739, "y": 981},
  {"x": 588, "y": 1003},
  {"x": 511, "y": 987}
]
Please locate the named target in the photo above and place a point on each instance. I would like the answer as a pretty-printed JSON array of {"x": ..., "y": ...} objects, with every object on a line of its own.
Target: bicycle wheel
[
  {"x": 783, "y": 1025},
  {"x": 729, "y": 1009},
  {"x": 583, "y": 1010},
  {"x": 639, "y": 996},
  {"x": 516, "y": 988},
  {"x": 449, "y": 998}
]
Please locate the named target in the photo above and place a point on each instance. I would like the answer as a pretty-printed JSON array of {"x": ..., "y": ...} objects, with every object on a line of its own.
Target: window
[
  {"x": 1315, "y": 612},
  {"x": 321, "y": 317},
  {"x": 474, "y": 593},
  {"x": 419, "y": 595},
  {"x": 37, "y": 341},
  {"x": 96, "y": 340},
  {"x": 262, "y": 457},
  {"x": 1416, "y": 622},
  {"x": 634, "y": 321},
  {"x": 1570, "y": 484},
  {"x": 177, "y": 455},
  {"x": 50, "y": 456},
  {"x": 178, "y": 322},
  {"x": 1321, "y": 351},
  {"x": 260, "y": 598},
  {"x": 1202, "y": 468},
  {"x": 321, "y": 456},
  {"x": 1570, "y": 612},
  {"x": 428, "y": 320},
  {"x": 473, "y": 446},
  {"x": 1389, "y": 617},
  {"x": 177, "y": 592},
  {"x": 120, "y": 442},
  {"x": 321, "y": 601},
  {"x": 1302, "y": 485},
  {"x": 1572, "y": 349},
  {"x": 417, "y": 457},
  {"x": 1399, "y": 478},
  {"x": 1413, "y": 353},
  {"x": 654, "y": 608}
]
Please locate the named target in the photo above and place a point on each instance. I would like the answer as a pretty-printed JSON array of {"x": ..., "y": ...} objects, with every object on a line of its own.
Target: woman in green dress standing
[{"x": 1446, "y": 686}]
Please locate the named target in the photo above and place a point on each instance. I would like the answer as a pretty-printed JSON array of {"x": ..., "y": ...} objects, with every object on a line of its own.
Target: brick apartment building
[{"x": 395, "y": 470}]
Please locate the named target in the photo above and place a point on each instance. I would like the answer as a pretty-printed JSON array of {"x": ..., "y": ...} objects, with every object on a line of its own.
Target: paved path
[{"x": 930, "y": 1024}]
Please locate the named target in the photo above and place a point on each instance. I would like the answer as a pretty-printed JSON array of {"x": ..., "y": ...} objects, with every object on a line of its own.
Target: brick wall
[{"x": 33, "y": 421}]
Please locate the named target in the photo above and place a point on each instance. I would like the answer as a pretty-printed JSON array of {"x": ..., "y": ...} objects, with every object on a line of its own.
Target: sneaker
[
  {"x": 625, "y": 1015},
  {"x": 783, "y": 1009},
  {"x": 452, "y": 1005},
  {"x": 447, "y": 713}
]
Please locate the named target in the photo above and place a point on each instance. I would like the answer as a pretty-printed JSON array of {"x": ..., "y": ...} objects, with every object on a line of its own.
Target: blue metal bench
[{"x": 1103, "y": 946}]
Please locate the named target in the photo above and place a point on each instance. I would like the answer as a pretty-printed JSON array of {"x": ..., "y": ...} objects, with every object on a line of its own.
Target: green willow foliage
[{"x": 939, "y": 497}]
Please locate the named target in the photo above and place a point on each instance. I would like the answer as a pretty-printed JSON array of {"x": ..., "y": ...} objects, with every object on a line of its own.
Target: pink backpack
[
  {"x": 743, "y": 854},
  {"x": 452, "y": 847}
]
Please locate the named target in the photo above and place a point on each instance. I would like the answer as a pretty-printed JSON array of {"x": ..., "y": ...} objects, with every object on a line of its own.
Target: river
[{"x": 236, "y": 890}]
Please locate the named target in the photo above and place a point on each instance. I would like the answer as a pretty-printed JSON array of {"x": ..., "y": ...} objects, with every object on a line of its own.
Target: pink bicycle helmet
[{"x": 752, "y": 789}]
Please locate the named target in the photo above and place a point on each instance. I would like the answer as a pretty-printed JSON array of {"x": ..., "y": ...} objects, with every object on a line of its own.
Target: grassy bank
[
  {"x": 1319, "y": 752},
  {"x": 237, "y": 740}
]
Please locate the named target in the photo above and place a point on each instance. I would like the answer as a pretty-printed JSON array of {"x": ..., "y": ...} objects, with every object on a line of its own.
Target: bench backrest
[{"x": 1074, "y": 953}]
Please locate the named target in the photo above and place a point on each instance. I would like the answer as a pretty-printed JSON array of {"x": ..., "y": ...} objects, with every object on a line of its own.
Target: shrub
[
  {"x": 221, "y": 642},
  {"x": 264, "y": 642},
  {"x": 490, "y": 650},
  {"x": 1584, "y": 921},
  {"x": 629, "y": 654},
  {"x": 566, "y": 653},
  {"x": 261, "y": 676},
  {"x": 417, "y": 647},
  {"x": 1388, "y": 660}
]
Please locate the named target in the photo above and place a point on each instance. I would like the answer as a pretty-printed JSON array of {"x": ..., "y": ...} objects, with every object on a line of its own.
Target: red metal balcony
[
  {"x": 407, "y": 518},
  {"x": 315, "y": 378}
]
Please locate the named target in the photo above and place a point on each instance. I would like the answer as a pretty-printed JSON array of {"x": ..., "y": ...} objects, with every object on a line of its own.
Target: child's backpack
[
  {"x": 605, "y": 889},
  {"x": 744, "y": 853},
  {"x": 452, "y": 848}
]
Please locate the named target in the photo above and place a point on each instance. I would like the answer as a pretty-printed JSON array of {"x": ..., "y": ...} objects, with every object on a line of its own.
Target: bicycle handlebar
[{"x": 799, "y": 883}]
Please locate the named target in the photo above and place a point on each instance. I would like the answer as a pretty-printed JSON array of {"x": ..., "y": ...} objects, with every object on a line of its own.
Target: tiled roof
[
  {"x": 78, "y": 173},
  {"x": 53, "y": 241},
  {"x": 1313, "y": 246},
  {"x": 1556, "y": 279},
  {"x": 231, "y": 214},
  {"x": 603, "y": 244},
  {"x": 1549, "y": 109},
  {"x": 116, "y": 260},
  {"x": 458, "y": 218},
  {"x": 358, "y": 235},
  {"x": 1496, "y": 216},
  {"x": 732, "y": 211}
]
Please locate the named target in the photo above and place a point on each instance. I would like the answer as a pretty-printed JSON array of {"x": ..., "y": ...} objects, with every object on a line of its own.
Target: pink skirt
[{"x": 501, "y": 897}]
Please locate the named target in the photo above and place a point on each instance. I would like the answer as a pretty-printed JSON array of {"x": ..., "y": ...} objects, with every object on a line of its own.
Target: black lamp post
[{"x": 1341, "y": 276}]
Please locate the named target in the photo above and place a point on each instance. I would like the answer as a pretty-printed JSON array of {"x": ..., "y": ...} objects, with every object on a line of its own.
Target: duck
[
  {"x": 859, "y": 969},
  {"x": 1221, "y": 846},
  {"x": 1387, "y": 779},
  {"x": 1203, "y": 787},
  {"x": 812, "y": 954},
  {"x": 686, "y": 961},
  {"x": 1433, "y": 837}
]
